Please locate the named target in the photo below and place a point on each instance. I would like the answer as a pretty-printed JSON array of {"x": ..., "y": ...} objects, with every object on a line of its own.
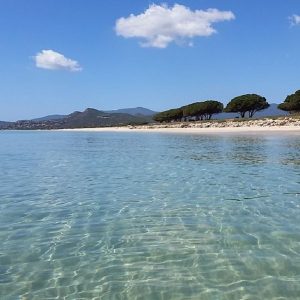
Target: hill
[
  {"x": 137, "y": 111},
  {"x": 49, "y": 118},
  {"x": 95, "y": 118},
  {"x": 87, "y": 119},
  {"x": 272, "y": 110}
]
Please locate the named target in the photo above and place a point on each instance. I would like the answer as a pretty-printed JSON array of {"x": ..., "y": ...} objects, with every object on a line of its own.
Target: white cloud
[
  {"x": 295, "y": 20},
  {"x": 161, "y": 25},
  {"x": 51, "y": 60}
]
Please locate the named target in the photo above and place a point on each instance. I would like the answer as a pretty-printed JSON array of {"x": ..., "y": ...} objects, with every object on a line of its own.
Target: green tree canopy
[
  {"x": 212, "y": 107},
  {"x": 291, "y": 103},
  {"x": 250, "y": 103},
  {"x": 193, "y": 110},
  {"x": 169, "y": 115},
  {"x": 203, "y": 109}
]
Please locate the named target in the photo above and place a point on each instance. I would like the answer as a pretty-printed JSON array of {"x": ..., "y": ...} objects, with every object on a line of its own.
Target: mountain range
[
  {"x": 94, "y": 118},
  {"x": 137, "y": 111},
  {"x": 87, "y": 119}
]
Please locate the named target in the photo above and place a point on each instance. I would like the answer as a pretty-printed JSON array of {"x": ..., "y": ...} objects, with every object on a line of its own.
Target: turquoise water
[{"x": 149, "y": 216}]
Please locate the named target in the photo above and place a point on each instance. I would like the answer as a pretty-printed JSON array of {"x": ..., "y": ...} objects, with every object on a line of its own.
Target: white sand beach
[
  {"x": 285, "y": 129},
  {"x": 282, "y": 125}
]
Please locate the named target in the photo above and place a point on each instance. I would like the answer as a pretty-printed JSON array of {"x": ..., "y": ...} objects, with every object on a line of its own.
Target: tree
[
  {"x": 175, "y": 114},
  {"x": 202, "y": 110},
  {"x": 291, "y": 103},
  {"x": 212, "y": 107},
  {"x": 250, "y": 103},
  {"x": 194, "y": 110}
]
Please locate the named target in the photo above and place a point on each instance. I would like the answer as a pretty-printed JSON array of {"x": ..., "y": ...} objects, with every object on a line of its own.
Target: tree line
[{"x": 246, "y": 105}]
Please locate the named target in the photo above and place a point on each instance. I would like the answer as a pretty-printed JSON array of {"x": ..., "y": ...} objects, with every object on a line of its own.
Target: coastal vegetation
[
  {"x": 249, "y": 103},
  {"x": 198, "y": 110},
  {"x": 245, "y": 105},
  {"x": 291, "y": 103},
  {"x": 203, "y": 110},
  {"x": 175, "y": 114}
]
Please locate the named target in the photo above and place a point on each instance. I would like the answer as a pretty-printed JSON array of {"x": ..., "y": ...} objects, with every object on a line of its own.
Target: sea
[{"x": 147, "y": 215}]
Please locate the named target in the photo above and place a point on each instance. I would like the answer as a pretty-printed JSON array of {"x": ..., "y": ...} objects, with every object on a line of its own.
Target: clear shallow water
[{"x": 149, "y": 216}]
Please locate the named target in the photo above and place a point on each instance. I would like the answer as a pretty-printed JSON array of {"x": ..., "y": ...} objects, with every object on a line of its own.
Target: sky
[{"x": 58, "y": 56}]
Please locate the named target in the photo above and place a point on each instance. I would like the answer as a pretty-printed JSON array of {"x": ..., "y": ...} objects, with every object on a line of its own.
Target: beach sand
[
  {"x": 252, "y": 126},
  {"x": 196, "y": 130}
]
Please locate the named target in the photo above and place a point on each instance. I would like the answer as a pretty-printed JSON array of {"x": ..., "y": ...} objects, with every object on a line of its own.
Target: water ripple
[{"x": 149, "y": 216}]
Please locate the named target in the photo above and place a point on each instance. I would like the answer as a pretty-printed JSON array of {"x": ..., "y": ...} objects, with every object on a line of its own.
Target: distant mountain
[
  {"x": 137, "y": 111},
  {"x": 96, "y": 118},
  {"x": 271, "y": 111},
  {"x": 49, "y": 118},
  {"x": 89, "y": 118}
]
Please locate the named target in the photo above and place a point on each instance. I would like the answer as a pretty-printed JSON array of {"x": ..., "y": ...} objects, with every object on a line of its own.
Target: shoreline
[
  {"x": 285, "y": 125},
  {"x": 189, "y": 130}
]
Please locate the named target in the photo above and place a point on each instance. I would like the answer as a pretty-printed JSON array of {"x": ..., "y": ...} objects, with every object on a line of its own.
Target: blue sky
[{"x": 256, "y": 51}]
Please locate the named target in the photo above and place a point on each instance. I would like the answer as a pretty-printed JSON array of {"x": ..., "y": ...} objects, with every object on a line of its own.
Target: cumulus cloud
[
  {"x": 161, "y": 25},
  {"x": 295, "y": 20},
  {"x": 51, "y": 60}
]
